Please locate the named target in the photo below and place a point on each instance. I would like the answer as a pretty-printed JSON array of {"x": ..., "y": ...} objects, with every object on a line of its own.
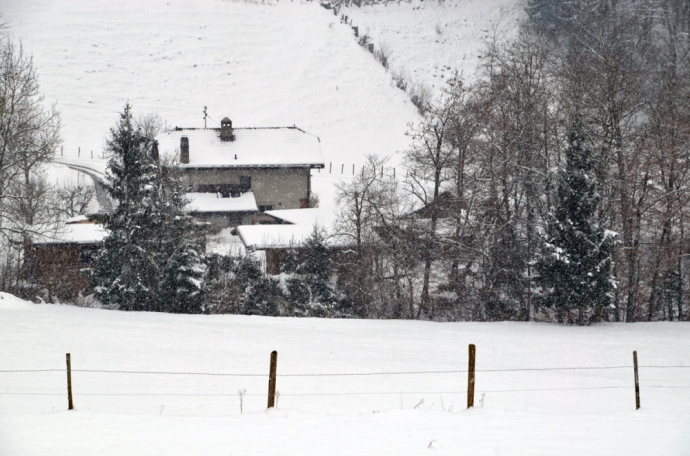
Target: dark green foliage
[
  {"x": 151, "y": 260},
  {"x": 125, "y": 270},
  {"x": 575, "y": 266},
  {"x": 181, "y": 249},
  {"x": 309, "y": 287}
]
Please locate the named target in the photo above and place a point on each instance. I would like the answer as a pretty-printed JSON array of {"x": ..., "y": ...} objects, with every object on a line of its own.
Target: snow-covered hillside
[
  {"x": 430, "y": 40},
  {"x": 273, "y": 63},
  {"x": 269, "y": 63},
  {"x": 564, "y": 412}
]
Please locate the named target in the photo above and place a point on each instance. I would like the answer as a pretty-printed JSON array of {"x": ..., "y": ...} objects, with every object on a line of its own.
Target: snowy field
[{"x": 528, "y": 412}]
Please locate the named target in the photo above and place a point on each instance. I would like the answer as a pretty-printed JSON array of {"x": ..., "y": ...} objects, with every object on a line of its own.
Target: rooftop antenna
[{"x": 205, "y": 116}]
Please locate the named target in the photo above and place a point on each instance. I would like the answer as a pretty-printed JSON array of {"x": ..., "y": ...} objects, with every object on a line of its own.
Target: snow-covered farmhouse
[
  {"x": 61, "y": 261},
  {"x": 235, "y": 174}
]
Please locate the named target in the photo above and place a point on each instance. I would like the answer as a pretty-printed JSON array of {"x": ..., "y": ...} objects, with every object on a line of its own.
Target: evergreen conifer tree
[
  {"x": 310, "y": 289},
  {"x": 122, "y": 275},
  {"x": 182, "y": 264},
  {"x": 152, "y": 258},
  {"x": 575, "y": 266}
]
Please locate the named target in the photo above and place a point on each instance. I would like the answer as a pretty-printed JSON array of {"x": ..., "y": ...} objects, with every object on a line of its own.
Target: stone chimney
[
  {"x": 154, "y": 151},
  {"x": 226, "y": 130},
  {"x": 184, "y": 150}
]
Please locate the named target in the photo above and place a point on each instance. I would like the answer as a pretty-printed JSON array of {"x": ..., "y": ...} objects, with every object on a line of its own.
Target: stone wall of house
[{"x": 274, "y": 188}]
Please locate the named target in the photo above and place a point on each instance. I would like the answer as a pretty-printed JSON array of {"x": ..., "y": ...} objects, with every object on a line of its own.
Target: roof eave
[{"x": 273, "y": 166}]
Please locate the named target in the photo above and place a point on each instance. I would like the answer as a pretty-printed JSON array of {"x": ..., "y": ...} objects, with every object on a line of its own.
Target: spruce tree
[
  {"x": 182, "y": 264},
  {"x": 152, "y": 258},
  {"x": 123, "y": 273},
  {"x": 310, "y": 289},
  {"x": 574, "y": 268}
]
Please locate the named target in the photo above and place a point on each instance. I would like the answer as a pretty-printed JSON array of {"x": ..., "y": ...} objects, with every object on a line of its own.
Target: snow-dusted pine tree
[
  {"x": 125, "y": 269},
  {"x": 152, "y": 258},
  {"x": 311, "y": 291},
  {"x": 181, "y": 248},
  {"x": 574, "y": 268}
]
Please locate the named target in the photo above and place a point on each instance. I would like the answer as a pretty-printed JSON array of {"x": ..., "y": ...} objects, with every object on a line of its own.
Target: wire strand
[
  {"x": 383, "y": 393},
  {"x": 346, "y": 374},
  {"x": 167, "y": 373}
]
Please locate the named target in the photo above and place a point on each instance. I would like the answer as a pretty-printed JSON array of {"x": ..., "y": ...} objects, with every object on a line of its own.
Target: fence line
[
  {"x": 273, "y": 395},
  {"x": 347, "y": 374},
  {"x": 382, "y": 393}
]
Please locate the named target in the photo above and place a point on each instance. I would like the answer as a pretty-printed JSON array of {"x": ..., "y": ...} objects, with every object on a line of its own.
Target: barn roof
[
  {"x": 252, "y": 147},
  {"x": 301, "y": 225},
  {"x": 74, "y": 232},
  {"x": 210, "y": 202}
]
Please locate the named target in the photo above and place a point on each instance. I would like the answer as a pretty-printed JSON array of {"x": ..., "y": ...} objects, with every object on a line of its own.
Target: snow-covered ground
[
  {"x": 272, "y": 63},
  {"x": 268, "y": 63},
  {"x": 564, "y": 412},
  {"x": 429, "y": 40}
]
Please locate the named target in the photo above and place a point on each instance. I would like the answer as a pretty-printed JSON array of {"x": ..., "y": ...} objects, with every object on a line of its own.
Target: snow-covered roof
[
  {"x": 323, "y": 217},
  {"x": 75, "y": 233},
  {"x": 302, "y": 223},
  {"x": 252, "y": 147},
  {"x": 262, "y": 237},
  {"x": 211, "y": 202}
]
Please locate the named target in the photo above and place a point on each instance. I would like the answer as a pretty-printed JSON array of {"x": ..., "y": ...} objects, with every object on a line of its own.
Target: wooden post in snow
[
  {"x": 272, "y": 379},
  {"x": 69, "y": 383},
  {"x": 637, "y": 382},
  {"x": 470, "y": 377}
]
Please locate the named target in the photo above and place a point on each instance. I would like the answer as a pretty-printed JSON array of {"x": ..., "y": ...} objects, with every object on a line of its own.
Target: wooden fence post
[
  {"x": 637, "y": 382},
  {"x": 79, "y": 152},
  {"x": 470, "y": 378},
  {"x": 272, "y": 379},
  {"x": 69, "y": 383}
]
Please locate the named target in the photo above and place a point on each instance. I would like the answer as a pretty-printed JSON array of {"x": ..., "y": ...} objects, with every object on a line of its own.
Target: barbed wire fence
[{"x": 272, "y": 378}]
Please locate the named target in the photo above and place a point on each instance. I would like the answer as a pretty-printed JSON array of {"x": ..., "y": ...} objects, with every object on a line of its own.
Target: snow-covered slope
[
  {"x": 274, "y": 63},
  {"x": 558, "y": 412},
  {"x": 430, "y": 40},
  {"x": 268, "y": 63}
]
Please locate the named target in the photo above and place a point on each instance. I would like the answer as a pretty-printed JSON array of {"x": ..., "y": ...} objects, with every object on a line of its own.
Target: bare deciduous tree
[{"x": 29, "y": 134}]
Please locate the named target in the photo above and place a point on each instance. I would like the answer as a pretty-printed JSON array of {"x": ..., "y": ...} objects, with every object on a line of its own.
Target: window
[
  {"x": 267, "y": 207},
  {"x": 245, "y": 183},
  {"x": 86, "y": 254}
]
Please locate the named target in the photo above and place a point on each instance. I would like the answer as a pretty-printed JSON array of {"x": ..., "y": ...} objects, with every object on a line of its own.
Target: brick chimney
[
  {"x": 184, "y": 150},
  {"x": 226, "y": 130}
]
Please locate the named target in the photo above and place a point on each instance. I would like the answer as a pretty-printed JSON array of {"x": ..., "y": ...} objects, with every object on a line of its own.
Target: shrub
[
  {"x": 420, "y": 94},
  {"x": 383, "y": 54},
  {"x": 400, "y": 78}
]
